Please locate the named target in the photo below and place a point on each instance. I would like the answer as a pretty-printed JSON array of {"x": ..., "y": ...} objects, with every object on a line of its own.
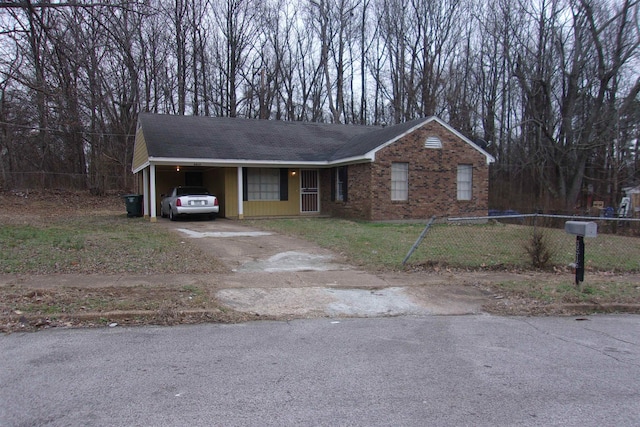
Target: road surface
[{"x": 475, "y": 370}]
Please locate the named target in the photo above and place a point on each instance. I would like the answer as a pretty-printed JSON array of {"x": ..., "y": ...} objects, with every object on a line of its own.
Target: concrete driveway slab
[
  {"x": 292, "y": 261},
  {"x": 277, "y": 275},
  {"x": 200, "y": 234}
]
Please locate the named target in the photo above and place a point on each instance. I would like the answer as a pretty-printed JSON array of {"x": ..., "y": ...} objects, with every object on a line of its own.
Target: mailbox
[{"x": 581, "y": 228}]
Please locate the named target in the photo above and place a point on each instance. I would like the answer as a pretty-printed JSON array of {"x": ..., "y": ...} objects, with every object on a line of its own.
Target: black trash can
[{"x": 134, "y": 205}]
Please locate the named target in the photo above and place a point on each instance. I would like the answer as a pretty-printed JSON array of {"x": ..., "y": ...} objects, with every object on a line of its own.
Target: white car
[{"x": 189, "y": 201}]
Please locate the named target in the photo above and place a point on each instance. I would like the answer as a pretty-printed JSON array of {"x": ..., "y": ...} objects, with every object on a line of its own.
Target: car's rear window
[{"x": 196, "y": 191}]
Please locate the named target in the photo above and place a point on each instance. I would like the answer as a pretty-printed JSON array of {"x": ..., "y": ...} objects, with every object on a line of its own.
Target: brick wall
[
  {"x": 432, "y": 181},
  {"x": 359, "y": 193},
  {"x": 432, "y": 177}
]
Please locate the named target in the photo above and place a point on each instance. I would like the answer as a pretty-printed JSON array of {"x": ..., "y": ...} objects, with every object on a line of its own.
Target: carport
[
  {"x": 229, "y": 184},
  {"x": 157, "y": 177}
]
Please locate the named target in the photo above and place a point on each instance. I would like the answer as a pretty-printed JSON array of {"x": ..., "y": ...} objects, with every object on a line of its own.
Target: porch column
[
  {"x": 240, "y": 187},
  {"x": 145, "y": 191},
  {"x": 152, "y": 199}
]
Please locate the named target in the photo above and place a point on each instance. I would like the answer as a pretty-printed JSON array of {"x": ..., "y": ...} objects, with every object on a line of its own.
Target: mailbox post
[{"x": 580, "y": 229}]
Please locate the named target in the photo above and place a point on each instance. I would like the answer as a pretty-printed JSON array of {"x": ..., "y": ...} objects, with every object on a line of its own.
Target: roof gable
[{"x": 411, "y": 126}]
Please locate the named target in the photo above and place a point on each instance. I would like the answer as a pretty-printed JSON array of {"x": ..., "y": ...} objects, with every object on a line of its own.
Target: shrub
[{"x": 539, "y": 249}]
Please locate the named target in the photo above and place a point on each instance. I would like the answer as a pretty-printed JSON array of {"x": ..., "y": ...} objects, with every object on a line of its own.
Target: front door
[{"x": 309, "y": 190}]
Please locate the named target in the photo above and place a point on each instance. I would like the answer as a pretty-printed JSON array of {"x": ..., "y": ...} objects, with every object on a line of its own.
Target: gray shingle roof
[
  {"x": 362, "y": 144},
  {"x": 232, "y": 139},
  {"x": 246, "y": 139}
]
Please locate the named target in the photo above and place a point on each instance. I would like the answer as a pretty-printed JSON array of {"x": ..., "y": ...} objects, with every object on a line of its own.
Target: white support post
[
  {"x": 240, "y": 186},
  {"x": 152, "y": 200},
  {"x": 145, "y": 191}
]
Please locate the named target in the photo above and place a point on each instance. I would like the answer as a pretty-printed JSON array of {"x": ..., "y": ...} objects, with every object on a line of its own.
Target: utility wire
[{"x": 61, "y": 131}]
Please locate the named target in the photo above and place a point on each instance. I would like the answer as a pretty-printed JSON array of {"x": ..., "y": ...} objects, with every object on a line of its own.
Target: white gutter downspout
[{"x": 240, "y": 186}]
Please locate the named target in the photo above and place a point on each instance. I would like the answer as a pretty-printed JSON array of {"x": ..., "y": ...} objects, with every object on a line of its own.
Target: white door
[{"x": 309, "y": 190}]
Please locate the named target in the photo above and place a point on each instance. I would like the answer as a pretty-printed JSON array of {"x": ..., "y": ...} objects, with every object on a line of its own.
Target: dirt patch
[
  {"x": 27, "y": 309},
  {"x": 29, "y": 207}
]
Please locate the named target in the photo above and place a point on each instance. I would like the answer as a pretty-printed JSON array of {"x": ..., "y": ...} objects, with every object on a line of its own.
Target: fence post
[{"x": 417, "y": 243}]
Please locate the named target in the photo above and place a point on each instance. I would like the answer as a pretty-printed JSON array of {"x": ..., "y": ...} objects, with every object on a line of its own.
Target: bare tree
[
  {"x": 590, "y": 47},
  {"x": 550, "y": 85},
  {"x": 236, "y": 22}
]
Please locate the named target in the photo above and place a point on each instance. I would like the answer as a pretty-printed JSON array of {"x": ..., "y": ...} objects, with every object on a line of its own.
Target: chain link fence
[{"x": 529, "y": 241}]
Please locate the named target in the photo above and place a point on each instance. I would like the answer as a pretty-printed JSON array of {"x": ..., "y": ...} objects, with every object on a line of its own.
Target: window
[
  {"x": 400, "y": 181},
  {"x": 263, "y": 184},
  {"x": 465, "y": 174},
  {"x": 341, "y": 184}
]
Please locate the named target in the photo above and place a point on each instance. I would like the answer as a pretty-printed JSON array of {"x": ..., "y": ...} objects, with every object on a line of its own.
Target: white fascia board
[
  {"x": 372, "y": 154},
  {"x": 171, "y": 161},
  {"x": 175, "y": 161},
  {"x": 141, "y": 167},
  {"x": 352, "y": 160},
  {"x": 489, "y": 157}
]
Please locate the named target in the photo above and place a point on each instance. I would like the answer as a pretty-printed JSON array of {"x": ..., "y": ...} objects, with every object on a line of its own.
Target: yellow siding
[
  {"x": 140, "y": 152},
  {"x": 214, "y": 180},
  {"x": 231, "y": 192},
  {"x": 277, "y": 208},
  {"x": 260, "y": 208},
  {"x": 268, "y": 208}
]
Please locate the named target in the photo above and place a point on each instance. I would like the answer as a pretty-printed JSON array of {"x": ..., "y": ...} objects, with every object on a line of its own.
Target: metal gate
[{"x": 309, "y": 191}]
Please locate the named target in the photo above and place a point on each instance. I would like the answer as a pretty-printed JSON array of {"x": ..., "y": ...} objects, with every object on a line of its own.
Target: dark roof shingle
[
  {"x": 232, "y": 139},
  {"x": 245, "y": 139}
]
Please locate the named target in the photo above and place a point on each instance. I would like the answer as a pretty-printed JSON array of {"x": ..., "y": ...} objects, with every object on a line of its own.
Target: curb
[
  {"x": 232, "y": 316},
  {"x": 132, "y": 317},
  {"x": 606, "y": 308}
]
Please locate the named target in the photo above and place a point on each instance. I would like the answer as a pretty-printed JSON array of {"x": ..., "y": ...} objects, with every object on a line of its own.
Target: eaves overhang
[
  {"x": 141, "y": 167},
  {"x": 199, "y": 162}
]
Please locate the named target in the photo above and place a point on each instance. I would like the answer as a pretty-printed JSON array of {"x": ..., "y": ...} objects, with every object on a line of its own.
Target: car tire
[
  {"x": 162, "y": 214},
  {"x": 212, "y": 216},
  {"x": 172, "y": 217}
]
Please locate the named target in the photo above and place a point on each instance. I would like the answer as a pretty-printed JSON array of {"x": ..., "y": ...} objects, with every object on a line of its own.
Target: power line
[{"x": 30, "y": 127}]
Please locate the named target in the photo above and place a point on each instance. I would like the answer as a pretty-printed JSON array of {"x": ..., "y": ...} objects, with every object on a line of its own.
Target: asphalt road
[{"x": 433, "y": 370}]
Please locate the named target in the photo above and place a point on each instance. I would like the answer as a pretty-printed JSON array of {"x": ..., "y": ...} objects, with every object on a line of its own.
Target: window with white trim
[
  {"x": 399, "y": 181},
  {"x": 465, "y": 182},
  {"x": 263, "y": 184}
]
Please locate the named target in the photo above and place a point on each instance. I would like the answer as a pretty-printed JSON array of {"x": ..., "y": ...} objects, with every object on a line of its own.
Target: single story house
[{"x": 265, "y": 168}]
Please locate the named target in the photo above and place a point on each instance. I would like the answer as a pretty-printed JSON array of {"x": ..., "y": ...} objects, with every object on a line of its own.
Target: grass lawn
[
  {"x": 379, "y": 246},
  {"x": 90, "y": 244},
  {"x": 475, "y": 246},
  {"x": 42, "y": 238},
  {"x": 84, "y": 235}
]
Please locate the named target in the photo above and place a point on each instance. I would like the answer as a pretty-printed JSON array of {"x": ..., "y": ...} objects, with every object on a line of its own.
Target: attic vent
[{"x": 433, "y": 142}]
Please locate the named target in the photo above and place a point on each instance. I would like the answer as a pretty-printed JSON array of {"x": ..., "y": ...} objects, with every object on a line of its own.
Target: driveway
[{"x": 273, "y": 274}]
